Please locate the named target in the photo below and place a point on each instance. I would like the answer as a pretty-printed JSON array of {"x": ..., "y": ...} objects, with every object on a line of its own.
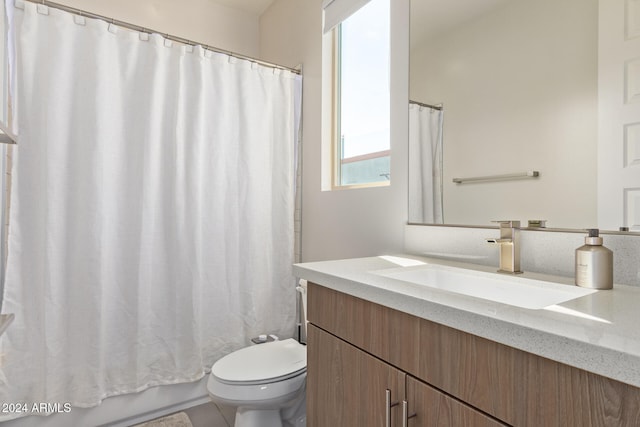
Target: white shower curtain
[
  {"x": 152, "y": 209},
  {"x": 425, "y": 164}
]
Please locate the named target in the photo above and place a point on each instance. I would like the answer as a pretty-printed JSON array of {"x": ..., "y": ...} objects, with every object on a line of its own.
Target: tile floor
[{"x": 211, "y": 415}]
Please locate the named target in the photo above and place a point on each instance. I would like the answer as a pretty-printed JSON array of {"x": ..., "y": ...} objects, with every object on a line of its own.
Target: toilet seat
[{"x": 263, "y": 363}]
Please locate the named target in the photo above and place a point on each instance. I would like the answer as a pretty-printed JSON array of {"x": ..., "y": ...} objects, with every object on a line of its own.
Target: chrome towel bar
[{"x": 527, "y": 174}]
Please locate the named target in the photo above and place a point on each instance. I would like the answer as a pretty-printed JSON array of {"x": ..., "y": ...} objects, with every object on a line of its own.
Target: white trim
[{"x": 336, "y": 11}]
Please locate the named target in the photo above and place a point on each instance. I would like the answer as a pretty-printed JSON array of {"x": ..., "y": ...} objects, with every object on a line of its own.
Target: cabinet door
[
  {"x": 434, "y": 408},
  {"x": 347, "y": 387}
]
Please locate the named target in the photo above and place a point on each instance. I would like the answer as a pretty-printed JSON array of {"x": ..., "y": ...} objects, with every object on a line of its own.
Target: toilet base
[
  {"x": 292, "y": 415},
  {"x": 295, "y": 414},
  {"x": 258, "y": 418}
]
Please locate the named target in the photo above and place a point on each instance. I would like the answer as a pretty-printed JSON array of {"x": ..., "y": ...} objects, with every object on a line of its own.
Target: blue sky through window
[{"x": 364, "y": 103}]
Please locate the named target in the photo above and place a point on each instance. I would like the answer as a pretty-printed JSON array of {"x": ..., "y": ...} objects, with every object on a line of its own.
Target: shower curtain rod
[
  {"x": 165, "y": 35},
  {"x": 422, "y": 104}
]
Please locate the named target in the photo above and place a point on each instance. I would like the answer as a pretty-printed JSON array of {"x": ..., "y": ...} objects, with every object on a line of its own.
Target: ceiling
[{"x": 251, "y": 6}]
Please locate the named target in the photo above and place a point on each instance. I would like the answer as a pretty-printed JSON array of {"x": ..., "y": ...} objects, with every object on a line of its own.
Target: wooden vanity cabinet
[
  {"x": 357, "y": 350},
  {"x": 348, "y": 387},
  {"x": 431, "y": 407}
]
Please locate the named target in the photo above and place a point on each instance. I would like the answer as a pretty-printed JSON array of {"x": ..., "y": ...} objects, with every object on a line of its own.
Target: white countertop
[{"x": 599, "y": 333}]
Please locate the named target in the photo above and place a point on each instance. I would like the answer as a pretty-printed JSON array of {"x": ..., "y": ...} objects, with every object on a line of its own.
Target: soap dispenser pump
[{"x": 594, "y": 263}]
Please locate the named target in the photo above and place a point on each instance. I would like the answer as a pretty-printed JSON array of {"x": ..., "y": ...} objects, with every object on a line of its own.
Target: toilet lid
[{"x": 269, "y": 362}]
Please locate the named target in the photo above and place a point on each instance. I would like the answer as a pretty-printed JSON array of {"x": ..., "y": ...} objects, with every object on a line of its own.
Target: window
[{"x": 362, "y": 103}]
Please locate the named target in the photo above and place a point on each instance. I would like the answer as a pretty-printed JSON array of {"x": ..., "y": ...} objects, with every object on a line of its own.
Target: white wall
[
  {"x": 342, "y": 223},
  {"x": 202, "y": 21},
  {"x": 511, "y": 106}
]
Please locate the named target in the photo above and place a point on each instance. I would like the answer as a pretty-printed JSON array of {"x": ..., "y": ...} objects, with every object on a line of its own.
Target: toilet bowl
[{"x": 265, "y": 381}]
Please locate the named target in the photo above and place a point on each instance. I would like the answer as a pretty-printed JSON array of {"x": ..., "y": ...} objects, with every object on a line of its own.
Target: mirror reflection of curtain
[{"x": 425, "y": 164}]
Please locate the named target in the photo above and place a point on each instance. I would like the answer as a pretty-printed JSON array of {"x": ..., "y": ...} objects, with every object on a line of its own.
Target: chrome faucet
[{"x": 509, "y": 242}]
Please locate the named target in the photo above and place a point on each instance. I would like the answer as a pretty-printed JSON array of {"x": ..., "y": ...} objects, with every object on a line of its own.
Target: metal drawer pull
[
  {"x": 405, "y": 414},
  {"x": 389, "y": 405}
]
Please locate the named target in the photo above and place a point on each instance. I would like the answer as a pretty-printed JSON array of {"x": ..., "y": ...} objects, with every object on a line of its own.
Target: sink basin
[{"x": 513, "y": 290}]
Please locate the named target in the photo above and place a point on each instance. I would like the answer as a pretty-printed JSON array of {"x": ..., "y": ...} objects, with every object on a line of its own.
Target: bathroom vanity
[{"x": 383, "y": 351}]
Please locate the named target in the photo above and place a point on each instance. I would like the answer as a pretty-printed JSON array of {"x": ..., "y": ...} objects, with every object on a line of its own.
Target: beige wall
[
  {"x": 512, "y": 106},
  {"x": 199, "y": 20},
  {"x": 343, "y": 223}
]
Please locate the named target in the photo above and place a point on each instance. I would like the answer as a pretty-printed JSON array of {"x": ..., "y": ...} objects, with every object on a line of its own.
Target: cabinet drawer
[
  {"x": 516, "y": 387},
  {"x": 386, "y": 333},
  {"x": 348, "y": 387}
]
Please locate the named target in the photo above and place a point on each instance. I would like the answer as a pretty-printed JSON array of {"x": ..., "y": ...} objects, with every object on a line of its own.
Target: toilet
[{"x": 266, "y": 382}]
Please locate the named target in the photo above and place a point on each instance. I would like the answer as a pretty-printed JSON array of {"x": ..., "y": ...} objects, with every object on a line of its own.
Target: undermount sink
[{"x": 513, "y": 290}]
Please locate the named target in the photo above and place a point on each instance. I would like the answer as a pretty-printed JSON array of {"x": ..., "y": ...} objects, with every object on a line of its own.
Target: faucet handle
[
  {"x": 508, "y": 223},
  {"x": 537, "y": 223},
  {"x": 493, "y": 240}
]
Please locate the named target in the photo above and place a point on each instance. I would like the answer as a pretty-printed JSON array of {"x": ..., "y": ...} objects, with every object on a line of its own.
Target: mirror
[{"x": 517, "y": 81}]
